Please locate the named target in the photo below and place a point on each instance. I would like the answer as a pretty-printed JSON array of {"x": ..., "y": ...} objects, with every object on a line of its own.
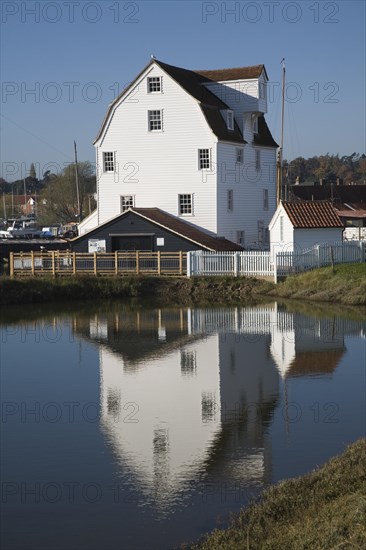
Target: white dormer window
[
  {"x": 255, "y": 124},
  {"x": 154, "y": 84},
  {"x": 230, "y": 120}
]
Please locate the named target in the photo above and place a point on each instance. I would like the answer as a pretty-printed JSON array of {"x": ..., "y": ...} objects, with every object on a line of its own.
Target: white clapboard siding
[
  {"x": 155, "y": 167},
  {"x": 248, "y": 187}
]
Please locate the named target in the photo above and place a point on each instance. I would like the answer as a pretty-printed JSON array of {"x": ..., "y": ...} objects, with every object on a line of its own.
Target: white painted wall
[
  {"x": 248, "y": 190},
  {"x": 155, "y": 167},
  {"x": 88, "y": 223},
  {"x": 307, "y": 238},
  {"x": 278, "y": 242}
]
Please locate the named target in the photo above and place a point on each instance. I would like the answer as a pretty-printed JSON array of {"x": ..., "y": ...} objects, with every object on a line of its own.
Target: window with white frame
[
  {"x": 265, "y": 199},
  {"x": 108, "y": 161},
  {"x": 154, "y": 84},
  {"x": 254, "y": 124},
  {"x": 257, "y": 160},
  {"x": 230, "y": 120},
  {"x": 240, "y": 156},
  {"x": 185, "y": 204},
  {"x": 204, "y": 159},
  {"x": 230, "y": 199},
  {"x": 127, "y": 201},
  {"x": 240, "y": 237},
  {"x": 155, "y": 121}
]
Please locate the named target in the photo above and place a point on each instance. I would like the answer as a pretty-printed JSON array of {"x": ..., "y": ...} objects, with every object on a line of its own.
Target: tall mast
[
  {"x": 77, "y": 183},
  {"x": 280, "y": 152}
]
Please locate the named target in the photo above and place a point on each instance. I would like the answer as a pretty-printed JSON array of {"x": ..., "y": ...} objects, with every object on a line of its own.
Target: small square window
[
  {"x": 230, "y": 199},
  {"x": 108, "y": 162},
  {"x": 185, "y": 205},
  {"x": 230, "y": 120},
  {"x": 154, "y": 121},
  {"x": 240, "y": 156},
  {"x": 153, "y": 84},
  {"x": 204, "y": 160},
  {"x": 127, "y": 201}
]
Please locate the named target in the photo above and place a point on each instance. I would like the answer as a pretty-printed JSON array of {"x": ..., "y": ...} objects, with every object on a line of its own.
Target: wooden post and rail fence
[{"x": 61, "y": 263}]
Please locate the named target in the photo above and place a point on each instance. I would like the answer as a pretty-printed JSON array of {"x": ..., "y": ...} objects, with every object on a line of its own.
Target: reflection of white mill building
[{"x": 183, "y": 389}]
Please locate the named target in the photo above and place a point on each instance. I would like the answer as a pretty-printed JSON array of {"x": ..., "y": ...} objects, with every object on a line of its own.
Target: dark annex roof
[
  {"x": 193, "y": 83},
  {"x": 185, "y": 229},
  {"x": 310, "y": 215}
]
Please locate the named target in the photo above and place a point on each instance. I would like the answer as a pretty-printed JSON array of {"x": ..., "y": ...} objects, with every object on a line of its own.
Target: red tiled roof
[
  {"x": 236, "y": 73},
  {"x": 315, "y": 362},
  {"x": 311, "y": 214},
  {"x": 185, "y": 229}
]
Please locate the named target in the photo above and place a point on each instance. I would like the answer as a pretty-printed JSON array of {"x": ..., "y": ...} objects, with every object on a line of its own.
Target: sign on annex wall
[{"x": 96, "y": 245}]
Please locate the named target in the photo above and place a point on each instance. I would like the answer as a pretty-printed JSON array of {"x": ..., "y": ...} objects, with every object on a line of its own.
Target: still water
[{"x": 133, "y": 427}]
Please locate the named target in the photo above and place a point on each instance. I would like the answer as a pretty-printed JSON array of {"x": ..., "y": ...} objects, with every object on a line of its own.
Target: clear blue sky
[{"x": 76, "y": 55}]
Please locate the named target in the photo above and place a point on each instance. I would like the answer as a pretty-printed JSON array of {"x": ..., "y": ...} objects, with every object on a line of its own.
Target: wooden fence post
[
  {"x": 95, "y": 263},
  {"x": 11, "y": 264},
  {"x": 74, "y": 263},
  {"x": 180, "y": 262},
  {"x": 53, "y": 263},
  {"x": 159, "y": 265},
  {"x": 137, "y": 262},
  {"x": 32, "y": 261},
  {"x": 116, "y": 262}
]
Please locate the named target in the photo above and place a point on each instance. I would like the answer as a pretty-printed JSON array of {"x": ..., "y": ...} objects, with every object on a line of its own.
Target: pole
[
  {"x": 25, "y": 197},
  {"x": 4, "y": 206},
  {"x": 280, "y": 153},
  {"x": 77, "y": 183}
]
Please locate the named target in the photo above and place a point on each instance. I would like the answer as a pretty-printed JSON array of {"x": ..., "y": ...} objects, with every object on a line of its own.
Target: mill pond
[{"x": 133, "y": 426}]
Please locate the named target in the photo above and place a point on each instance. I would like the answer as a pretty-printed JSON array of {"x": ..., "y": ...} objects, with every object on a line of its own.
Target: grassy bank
[
  {"x": 322, "y": 510},
  {"x": 175, "y": 289},
  {"x": 345, "y": 285}
]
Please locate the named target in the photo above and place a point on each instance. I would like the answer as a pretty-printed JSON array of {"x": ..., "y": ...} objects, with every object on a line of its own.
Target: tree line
[
  {"x": 58, "y": 197},
  {"x": 350, "y": 169}
]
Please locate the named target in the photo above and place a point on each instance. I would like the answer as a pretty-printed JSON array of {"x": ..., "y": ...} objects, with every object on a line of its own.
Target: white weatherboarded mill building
[{"x": 194, "y": 144}]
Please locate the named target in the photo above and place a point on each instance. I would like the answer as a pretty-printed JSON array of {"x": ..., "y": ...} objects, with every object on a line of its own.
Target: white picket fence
[
  {"x": 253, "y": 263},
  {"x": 265, "y": 264}
]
